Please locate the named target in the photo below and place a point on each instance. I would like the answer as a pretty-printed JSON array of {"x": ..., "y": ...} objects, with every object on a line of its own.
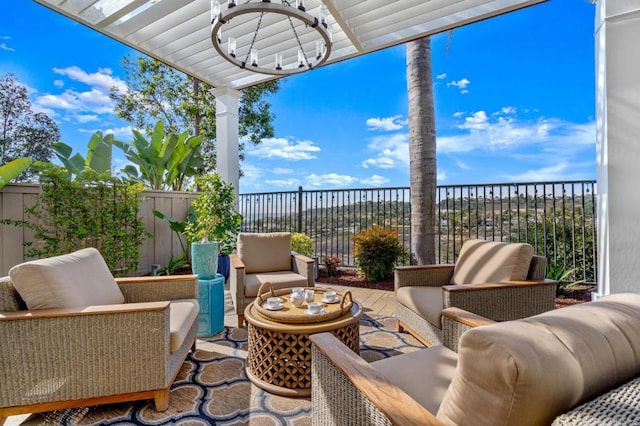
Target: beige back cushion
[
  {"x": 529, "y": 371},
  {"x": 265, "y": 252},
  {"x": 491, "y": 262},
  {"x": 77, "y": 279}
]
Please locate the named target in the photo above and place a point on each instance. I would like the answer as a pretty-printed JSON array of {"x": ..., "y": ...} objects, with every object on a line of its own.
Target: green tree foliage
[
  {"x": 377, "y": 251},
  {"x": 89, "y": 211},
  {"x": 165, "y": 161},
  {"x": 302, "y": 244},
  {"x": 23, "y": 132},
  {"x": 158, "y": 92}
]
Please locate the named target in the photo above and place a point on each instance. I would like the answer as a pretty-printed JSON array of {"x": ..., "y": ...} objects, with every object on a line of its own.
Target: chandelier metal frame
[{"x": 219, "y": 20}]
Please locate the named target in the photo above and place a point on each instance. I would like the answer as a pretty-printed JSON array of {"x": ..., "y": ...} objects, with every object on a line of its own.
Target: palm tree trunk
[{"x": 422, "y": 151}]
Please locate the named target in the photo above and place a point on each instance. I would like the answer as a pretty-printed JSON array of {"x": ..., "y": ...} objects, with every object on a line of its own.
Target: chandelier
[{"x": 307, "y": 39}]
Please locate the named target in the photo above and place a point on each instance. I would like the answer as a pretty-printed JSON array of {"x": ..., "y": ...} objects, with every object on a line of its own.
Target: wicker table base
[{"x": 279, "y": 357}]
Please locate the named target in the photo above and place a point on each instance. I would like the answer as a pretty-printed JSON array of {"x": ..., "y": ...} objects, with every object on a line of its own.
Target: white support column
[
  {"x": 227, "y": 128},
  {"x": 617, "y": 31}
]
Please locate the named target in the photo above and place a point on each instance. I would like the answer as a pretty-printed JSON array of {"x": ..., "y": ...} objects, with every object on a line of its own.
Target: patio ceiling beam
[{"x": 342, "y": 23}]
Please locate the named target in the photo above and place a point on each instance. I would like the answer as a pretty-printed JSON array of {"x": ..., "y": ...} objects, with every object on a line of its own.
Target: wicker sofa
[
  {"x": 532, "y": 371},
  {"x": 497, "y": 280},
  {"x": 70, "y": 351}
]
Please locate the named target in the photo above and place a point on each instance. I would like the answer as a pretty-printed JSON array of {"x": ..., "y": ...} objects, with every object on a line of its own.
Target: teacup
[
  {"x": 309, "y": 295},
  {"x": 273, "y": 301},
  {"x": 330, "y": 295},
  {"x": 314, "y": 307}
]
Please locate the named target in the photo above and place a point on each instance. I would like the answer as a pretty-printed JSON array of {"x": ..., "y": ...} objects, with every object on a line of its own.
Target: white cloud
[
  {"x": 282, "y": 171},
  {"x": 122, "y": 133},
  {"x": 3, "y": 46},
  {"x": 375, "y": 180},
  {"x": 285, "y": 183},
  {"x": 460, "y": 84},
  {"x": 441, "y": 76},
  {"x": 458, "y": 114},
  {"x": 283, "y": 148},
  {"x": 86, "y": 118},
  {"x": 386, "y": 124},
  {"x": 507, "y": 110},
  {"x": 389, "y": 152},
  {"x": 549, "y": 173},
  {"x": 329, "y": 179},
  {"x": 441, "y": 176},
  {"x": 101, "y": 79},
  {"x": 58, "y": 83},
  {"x": 463, "y": 166},
  {"x": 93, "y": 101},
  {"x": 505, "y": 134}
]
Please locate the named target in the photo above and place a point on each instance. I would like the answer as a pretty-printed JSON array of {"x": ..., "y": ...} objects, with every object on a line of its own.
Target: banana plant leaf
[{"x": 12, "y": 170}]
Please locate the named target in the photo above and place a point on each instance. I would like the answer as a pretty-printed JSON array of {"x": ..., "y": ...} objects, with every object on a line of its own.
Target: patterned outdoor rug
[{"x": 212, "y": 387}]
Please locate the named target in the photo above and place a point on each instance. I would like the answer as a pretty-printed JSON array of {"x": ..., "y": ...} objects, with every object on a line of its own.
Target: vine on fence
[{"x": 91, "y": 211}]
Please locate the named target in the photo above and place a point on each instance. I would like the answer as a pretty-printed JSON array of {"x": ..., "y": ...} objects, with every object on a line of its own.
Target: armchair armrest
[
  {"x": 500, "y": 285},
  {"x": 82, "y": 311},
  {"x": 153, "y": 289},
  {"x": 304, "y": 266},
  {"x": 346, "y": 386},
  {"x": 455, "y": 322},
  {"x": 423, "y": 275}
]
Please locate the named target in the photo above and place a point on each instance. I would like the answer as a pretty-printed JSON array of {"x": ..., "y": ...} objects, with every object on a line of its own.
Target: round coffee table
[{"x": 279, "y": 357}]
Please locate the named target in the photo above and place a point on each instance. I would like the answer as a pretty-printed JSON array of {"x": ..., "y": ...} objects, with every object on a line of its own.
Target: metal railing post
[{"x": 299, "y": 209}]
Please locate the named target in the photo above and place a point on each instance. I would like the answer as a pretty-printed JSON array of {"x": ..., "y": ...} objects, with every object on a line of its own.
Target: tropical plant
[
  {"x": 23, "y": 132},
  {"x": 13, "y": 169},
  {"x": 215, "y": 216},
  {"x": 177, "y": 226},
  {"x": 156, "y": 92},
  {"x": 557, "y": 271},
  {"x": 422, "y": 151},
  {"x": 165, "y": 161},
  {"x": 377, "y": 251},
  {"x": 97, "y": 161},
  {"x": 174, "y": 265},
  {"x": 301, "y": 243}
]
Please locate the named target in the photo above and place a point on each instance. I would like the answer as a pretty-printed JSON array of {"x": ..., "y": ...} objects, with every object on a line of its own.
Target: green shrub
[
  {"x": 377, "y": 251},
  {"x": 301, "y": 244}
]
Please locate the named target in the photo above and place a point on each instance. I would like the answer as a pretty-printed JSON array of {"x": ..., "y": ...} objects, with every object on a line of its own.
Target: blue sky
[{"x": 514, "y": 97}]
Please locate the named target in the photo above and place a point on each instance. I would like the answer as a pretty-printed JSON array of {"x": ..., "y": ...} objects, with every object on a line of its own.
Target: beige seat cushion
[
  {"x": 424, "y": 375},
  {"x": 529, "y": 371},
  {"x": 77, "y": 279},
  {"x": 265, "y": 252},
  {"x": 182, "y": 315},
  {"x": 283, "y": 279},
  {"x": 425, "y": 301},
  {"x": 492, "y": 262}
]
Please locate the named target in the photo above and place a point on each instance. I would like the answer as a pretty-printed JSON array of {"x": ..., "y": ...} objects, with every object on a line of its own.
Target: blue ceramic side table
[{"x": 211, "y": 299}]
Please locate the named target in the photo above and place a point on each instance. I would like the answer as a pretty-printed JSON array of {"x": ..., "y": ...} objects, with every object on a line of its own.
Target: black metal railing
[{"x": 557, "y": 218}]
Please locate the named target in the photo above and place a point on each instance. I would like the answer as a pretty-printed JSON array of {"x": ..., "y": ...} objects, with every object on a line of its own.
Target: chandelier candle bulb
[
  {"x": 231, "y": 46},
  {"x": 324, "y": 13},
  {"x": 215, "y": 10},
  {"x": 319, "y": 49},
  {"x": 253, "y": 57},
  {"x": 219, "y": 35},
  {"x": 278, "y": 60},
  {"x": 231, "y": 3},
  {"x": 300, "y": 59},
  {"x": 300, "y": 5}
]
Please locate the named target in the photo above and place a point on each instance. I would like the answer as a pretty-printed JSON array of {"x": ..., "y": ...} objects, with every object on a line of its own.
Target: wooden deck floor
[{"x": 375, "y": 302}]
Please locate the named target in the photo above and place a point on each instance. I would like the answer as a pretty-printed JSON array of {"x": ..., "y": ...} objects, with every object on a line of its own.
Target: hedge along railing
[
  {"x": 154, "y": 250},
  {"x": 557, "y": 218}
]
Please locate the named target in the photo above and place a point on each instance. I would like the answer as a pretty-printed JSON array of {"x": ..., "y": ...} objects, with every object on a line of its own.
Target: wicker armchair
[
  {"x": 496, "y": 280},
  {"x": 68, "y": 357},
  {"x": 265, "y": 257}
]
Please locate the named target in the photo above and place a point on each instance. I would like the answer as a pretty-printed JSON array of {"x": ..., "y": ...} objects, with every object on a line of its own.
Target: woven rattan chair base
[{"x": 279, "y": 356}]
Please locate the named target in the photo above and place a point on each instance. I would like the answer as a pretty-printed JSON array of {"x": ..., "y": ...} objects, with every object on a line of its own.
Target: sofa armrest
[
  {"x": 424, "y": 275},
  {"x": 347, "y": 390},
  {"x": 304, "y": 266},
  {"x": 504, "y": 301},
  {"x": 158, "y": 288},
  {"x": 455, "y": 322},
  {"x": 49, "y": 354},
  {"x": 236, "y": 281}
]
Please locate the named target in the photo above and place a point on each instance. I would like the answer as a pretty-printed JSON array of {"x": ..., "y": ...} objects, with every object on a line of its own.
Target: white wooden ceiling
[{"x": 177, "y": 32}]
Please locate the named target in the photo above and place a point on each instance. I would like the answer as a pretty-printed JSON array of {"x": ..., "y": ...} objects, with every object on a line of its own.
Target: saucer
[
  {"x": 334, "y": 300},
  {"x": 269, "y": 307},
  {"x": 308, "y": 312}
]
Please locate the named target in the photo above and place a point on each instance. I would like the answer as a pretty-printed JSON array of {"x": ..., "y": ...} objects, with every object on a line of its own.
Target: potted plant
[{"x": 214, "y": 225}]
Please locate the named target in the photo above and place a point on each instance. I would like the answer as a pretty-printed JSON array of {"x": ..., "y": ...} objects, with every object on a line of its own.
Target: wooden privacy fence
[{"x": 155, "y": 250}]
